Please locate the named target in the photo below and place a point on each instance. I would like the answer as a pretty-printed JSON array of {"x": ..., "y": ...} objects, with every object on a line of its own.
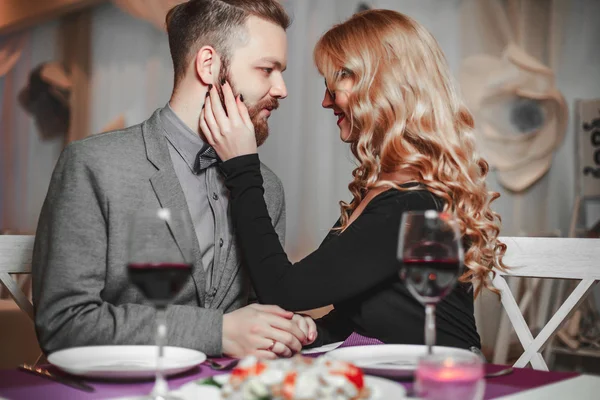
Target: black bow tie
[{"x": 206, "y": 157}]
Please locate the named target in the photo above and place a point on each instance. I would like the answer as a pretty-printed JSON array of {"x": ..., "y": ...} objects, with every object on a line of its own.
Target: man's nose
[{"x": 279, "y": 90}]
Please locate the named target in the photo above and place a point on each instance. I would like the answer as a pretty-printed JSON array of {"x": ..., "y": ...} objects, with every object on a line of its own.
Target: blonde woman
[{"x": 389, "y": 86}]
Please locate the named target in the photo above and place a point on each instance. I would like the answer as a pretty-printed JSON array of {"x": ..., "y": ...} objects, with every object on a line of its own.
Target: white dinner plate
[
  {"x": 124, "y": 362},
  {"x": 384, "y": 389},
  {"x": 381, "y": 389},
  {"x": 391, "y": 360}
]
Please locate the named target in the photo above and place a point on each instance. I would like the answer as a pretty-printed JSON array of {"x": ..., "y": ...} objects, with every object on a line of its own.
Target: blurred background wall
[{"x": 124, "y": 58}]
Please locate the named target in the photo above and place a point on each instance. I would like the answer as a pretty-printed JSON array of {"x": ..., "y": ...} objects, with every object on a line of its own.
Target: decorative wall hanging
[
  {"x": 46, "y": 99},
  {"x": 520, "y": 115}
]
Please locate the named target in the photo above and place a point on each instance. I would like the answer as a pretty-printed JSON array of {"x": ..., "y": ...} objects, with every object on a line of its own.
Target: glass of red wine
[
  {"x": 160, "y": 272},
  {"x": 431, "y": 256}
]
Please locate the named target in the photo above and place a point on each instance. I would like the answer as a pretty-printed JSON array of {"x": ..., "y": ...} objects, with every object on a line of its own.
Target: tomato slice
[
  {"x": 289, "y": 385},
  {"x": 354, "y": 375}
]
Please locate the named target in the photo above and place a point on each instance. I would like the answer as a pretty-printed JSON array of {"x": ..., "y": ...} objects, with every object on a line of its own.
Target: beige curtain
[
  {"x": 10, "y": 52},
  {"x": 153, "y": 11},
  {"x": 75, "y": 31}
]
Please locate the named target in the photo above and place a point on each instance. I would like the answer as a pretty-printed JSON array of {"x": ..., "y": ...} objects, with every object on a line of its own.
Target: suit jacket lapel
[{"x": 170, "y": 195}]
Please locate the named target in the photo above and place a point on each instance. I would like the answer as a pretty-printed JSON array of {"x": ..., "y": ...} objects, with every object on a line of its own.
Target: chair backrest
[
  {"x": 563, "y": 258},
  {"x": 15, "y": 258},
  {"x": 557, "y": 258}
]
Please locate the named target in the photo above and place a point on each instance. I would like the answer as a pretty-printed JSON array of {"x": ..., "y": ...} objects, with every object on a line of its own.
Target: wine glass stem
[
  {"x": 160, "y": 385},
  {"x": 430, "y": 327}
]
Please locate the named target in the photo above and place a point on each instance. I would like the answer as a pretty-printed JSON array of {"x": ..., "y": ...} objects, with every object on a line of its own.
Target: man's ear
[{"x": 207, "y": 64}]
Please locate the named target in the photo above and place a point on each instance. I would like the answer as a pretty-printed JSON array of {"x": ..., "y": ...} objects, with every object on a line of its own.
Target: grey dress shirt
[{"x": 204, "y": 191}]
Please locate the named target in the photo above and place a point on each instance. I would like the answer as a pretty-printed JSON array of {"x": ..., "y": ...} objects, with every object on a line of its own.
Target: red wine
[
  {"x": 159, "y": 282},
  {"x": 430, "y": 279}
]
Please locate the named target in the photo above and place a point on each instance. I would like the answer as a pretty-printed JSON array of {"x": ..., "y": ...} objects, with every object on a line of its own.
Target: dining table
[{"x": 16, "y": 384}]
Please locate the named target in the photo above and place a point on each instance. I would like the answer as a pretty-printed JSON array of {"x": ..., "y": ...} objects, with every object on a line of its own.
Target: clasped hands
[{"x": 266, "y": 331}]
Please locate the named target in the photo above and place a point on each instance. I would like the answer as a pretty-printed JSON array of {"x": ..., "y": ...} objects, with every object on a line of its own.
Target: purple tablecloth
[{"x": 16, "y": 385}]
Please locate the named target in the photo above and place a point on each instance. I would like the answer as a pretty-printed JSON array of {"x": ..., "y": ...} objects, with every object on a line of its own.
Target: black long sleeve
[
  {"x": 333, "y": 327},
  {"x": 356, "y": 271},
  {"x": 351, "y": 263}
]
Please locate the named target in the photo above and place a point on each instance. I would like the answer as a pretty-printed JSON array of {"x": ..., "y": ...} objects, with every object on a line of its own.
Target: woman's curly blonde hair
[{"x": 407, "y": 117}]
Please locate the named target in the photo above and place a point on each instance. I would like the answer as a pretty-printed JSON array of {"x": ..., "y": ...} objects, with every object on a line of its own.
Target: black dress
[{"x": 356, "y": 271}]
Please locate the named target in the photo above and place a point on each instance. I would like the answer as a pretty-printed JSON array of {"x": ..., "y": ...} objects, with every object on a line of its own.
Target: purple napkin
[{"x": 359, "y": 340}]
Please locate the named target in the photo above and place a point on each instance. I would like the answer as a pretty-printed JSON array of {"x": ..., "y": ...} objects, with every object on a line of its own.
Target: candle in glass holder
[{"x": 450, "y": 377}]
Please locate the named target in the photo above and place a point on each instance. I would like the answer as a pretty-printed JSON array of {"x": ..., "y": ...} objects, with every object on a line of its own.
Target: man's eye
[{"x": 268, "y": 70}]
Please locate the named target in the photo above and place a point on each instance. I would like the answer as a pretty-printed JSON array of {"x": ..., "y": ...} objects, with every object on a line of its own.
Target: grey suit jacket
[{"x": 81, "y": 293}]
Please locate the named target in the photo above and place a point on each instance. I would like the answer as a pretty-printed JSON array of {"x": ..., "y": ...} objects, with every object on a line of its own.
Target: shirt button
[
  {"x": 213, "y": 292},
  {"x": 221, "y": 242},
  {"x": 215, "y": 196}
]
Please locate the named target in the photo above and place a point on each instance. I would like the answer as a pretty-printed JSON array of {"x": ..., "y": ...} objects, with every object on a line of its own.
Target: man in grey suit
[{"x": 81, "y": 292}]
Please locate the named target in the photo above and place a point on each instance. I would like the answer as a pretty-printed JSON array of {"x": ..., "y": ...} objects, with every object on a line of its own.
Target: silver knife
[{"x": 65, "y": 380}]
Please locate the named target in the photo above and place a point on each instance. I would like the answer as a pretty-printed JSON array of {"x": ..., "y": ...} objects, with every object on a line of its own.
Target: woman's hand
[
  {"x": 230, "y": 133},
  {"x": 307, "y": 326}
]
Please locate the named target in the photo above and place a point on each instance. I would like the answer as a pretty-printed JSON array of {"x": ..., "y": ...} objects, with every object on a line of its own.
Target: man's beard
[{"x": 261, "y": 125}]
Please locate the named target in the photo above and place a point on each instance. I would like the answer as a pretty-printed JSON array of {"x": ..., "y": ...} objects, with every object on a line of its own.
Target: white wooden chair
[
  {"x": 555, "y": 258},
  {"x": 15, "y": 258}
]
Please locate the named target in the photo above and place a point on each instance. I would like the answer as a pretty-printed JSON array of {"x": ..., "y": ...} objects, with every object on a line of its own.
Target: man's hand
[{"x": 264, "y": 331}]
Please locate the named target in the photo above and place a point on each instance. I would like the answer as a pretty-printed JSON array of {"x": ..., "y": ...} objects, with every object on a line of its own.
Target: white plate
[
  {"x": 382, "y": 389},
  {"x": 189, "y": 391},
  {"x": 394, "y": 360},
  {"x": 323, "y": 349},
  {"x": 193, "y": 391},
  {"x": 124, "y": 362}
]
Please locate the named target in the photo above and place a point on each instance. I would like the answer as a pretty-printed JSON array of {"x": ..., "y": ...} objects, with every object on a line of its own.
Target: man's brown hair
[{"x": 215, "y": 23}]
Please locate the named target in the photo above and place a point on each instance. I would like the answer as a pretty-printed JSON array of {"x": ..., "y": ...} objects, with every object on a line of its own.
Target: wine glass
[
  {"x": 431, "y": 256},
  {"x": 160, "y": 271}
]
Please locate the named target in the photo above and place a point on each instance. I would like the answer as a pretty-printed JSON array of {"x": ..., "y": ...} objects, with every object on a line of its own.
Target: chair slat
[
  {"x": 17, "y": 294},
  {"x": 15, "y": 253},
  {"x": 564, "y": 312},
  {"x": 566, "y": 258}
]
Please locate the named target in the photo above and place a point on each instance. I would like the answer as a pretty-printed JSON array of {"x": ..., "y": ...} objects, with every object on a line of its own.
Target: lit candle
[{"x": 457, "y": 377}]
